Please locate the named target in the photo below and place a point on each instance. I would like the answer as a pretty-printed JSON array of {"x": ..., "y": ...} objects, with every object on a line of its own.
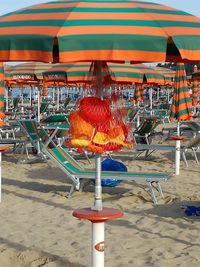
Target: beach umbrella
[
  {"x": 181, "y": 108},
  {"x": 67, "y": 73},
  {"x": 126, "y": 30},
  {"x": 169, "y": 74},
  {"x": 29, "y": 74},
  {"x": 65, "y": 31},
  {"x": 135, "y": 73}
]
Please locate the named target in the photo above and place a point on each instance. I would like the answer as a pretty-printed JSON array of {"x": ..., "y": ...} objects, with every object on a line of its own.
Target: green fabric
[{"x": 31, "y": 40}]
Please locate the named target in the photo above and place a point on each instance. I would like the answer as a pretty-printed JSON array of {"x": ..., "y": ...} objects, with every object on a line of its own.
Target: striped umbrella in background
[
  {"x": 2, "y": 105},
  {"x": 135, "y": 73},
  {"x": 169, "y": 74},
  {"x": 181, "y": 108},
  {"x": 138, "y": 93},
  {"x": 27, "y": 72},
  {"x": 66, "y": 31},
  {"x": 63, "y": 74}
]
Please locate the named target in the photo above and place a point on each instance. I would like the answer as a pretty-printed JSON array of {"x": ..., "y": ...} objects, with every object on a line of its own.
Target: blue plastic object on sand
[
  {"x": 191, "y": 210},
  {"x": 112, "y": 165}
]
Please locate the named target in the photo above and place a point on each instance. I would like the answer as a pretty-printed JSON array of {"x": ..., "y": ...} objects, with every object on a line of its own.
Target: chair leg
[
  {"x": 152, "y": 193},
  {"x": 195, "y": 156},
  {"x": 87, "y": 157},
  {"x": 160, "y": 189},
  {"x": 184, "y": 158}
]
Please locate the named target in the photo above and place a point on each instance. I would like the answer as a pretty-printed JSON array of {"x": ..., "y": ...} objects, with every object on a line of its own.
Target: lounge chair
[
  {"x": 78, "y": 175},
  {"x": 191, "y": 146},
  {"x": 186, "y": 128},
  {"x": 31, "y": 132},
  {"x": 146, "y": 130}
]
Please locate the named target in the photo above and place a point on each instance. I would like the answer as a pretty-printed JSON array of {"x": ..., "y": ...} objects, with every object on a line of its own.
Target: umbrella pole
[
  {"x": 38, "y": 103},
  {"x": 151, "y": 101},
  {"x": 6, "y": 92},
  {"x": 98, "y": 188},
  {"x": 30, "y": 103},
  {"x": 177, "y": 152}
]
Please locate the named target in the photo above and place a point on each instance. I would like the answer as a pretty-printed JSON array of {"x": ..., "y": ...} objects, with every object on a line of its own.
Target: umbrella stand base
[{"x": 98, "y": 219}]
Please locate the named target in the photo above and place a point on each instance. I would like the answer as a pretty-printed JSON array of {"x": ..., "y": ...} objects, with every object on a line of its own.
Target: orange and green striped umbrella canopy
[
  {"x": 135, "y": 73},
  {"x": 90, "y": 30},
  {"x": 76, "y": 72},
  {"x": 181, "y": 107},
  {"x": 30, "y": 71},
  {"x": 169, "y": 74}
]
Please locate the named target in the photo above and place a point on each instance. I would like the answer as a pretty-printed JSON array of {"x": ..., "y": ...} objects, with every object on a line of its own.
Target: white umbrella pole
[
  {"x": 38, "y": 103},
  {"x": 6, "y": 91},
  {"x": 30, "y": 103},
  {"x": 151, "y": 100},
  {"x": 98, "y": 188},
  {"x": 53, "y": 95},
  {"x": 58, "y": 98},
  {"x": 98, "y": 245},
  {"x": 177, "y": 152},
  {"x": 158, "y": 91}
]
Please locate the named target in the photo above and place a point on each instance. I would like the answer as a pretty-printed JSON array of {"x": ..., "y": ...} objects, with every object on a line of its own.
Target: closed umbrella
[{"x": 181, "y": 108}]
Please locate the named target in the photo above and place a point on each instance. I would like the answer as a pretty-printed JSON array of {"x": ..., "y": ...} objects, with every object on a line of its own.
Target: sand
[{"x": 37, "y": 227}]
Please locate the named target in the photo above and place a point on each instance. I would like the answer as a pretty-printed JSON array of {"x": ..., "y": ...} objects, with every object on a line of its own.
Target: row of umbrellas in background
[{"x": 80, "y": 72}]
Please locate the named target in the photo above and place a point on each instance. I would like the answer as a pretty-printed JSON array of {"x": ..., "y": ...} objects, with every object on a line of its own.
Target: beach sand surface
[{"x": 37, "y": 227}]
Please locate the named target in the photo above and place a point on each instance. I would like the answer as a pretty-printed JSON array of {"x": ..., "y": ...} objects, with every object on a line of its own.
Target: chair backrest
[
  {"x": 194, "y": 142},
  {"x": 147, "y": 126},
  {"x": 43, "y": 107},
  {"x": 67, "y": 161},
  {"x": 29, "y": 127}
]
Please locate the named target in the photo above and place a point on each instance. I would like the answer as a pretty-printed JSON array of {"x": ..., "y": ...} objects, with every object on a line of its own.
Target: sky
[{"x": 190, "y": 6}]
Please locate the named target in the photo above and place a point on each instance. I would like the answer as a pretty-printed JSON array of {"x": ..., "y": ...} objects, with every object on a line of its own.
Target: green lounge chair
[
  {"x": 79, "y": 175},
  {"x": 191, "y": 146},
  {"x": 29, "y": 128},
  {"x": 186, "y": 128},
  {"x": 146, "y": 130}
]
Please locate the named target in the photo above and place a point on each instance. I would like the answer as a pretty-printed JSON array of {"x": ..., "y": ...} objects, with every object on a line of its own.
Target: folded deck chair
[
  {"x": 145, "y": 131},
  {"x": 29, "y": 128},
  {"x": 191, "y": 146}
]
